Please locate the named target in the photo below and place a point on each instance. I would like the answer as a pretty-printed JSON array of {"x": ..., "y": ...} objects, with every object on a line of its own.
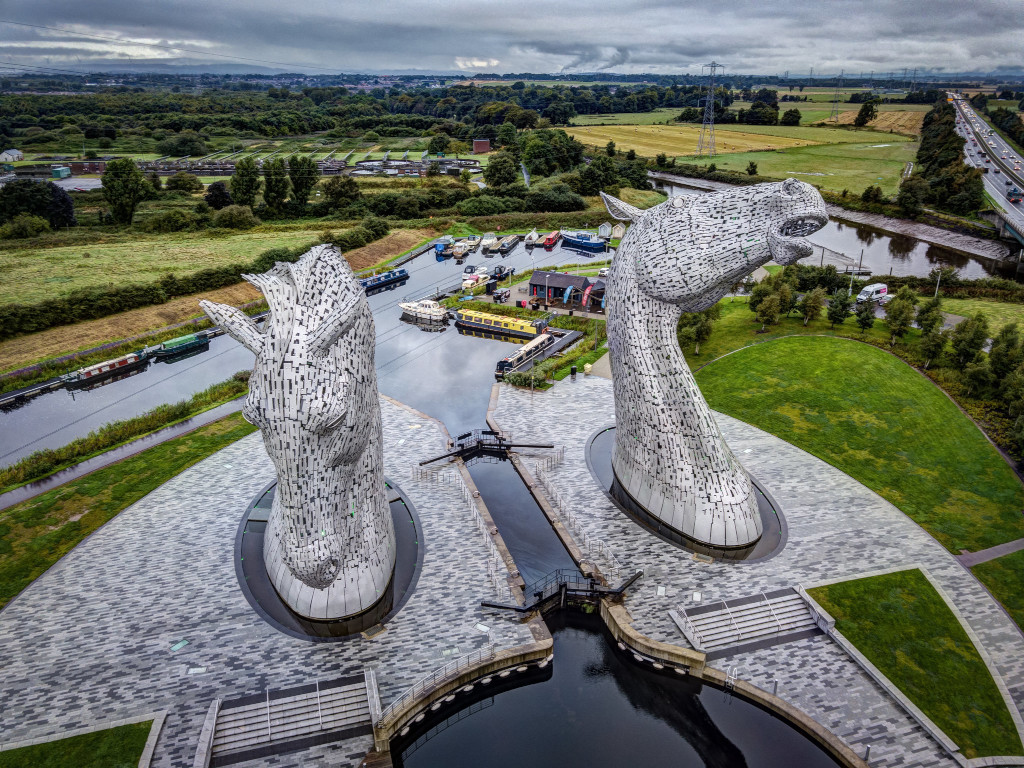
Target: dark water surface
[{"x": 599, "y": 709}]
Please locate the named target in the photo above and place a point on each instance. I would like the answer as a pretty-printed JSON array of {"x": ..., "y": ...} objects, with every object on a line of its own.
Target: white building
[{"x": 11, "y": 155}]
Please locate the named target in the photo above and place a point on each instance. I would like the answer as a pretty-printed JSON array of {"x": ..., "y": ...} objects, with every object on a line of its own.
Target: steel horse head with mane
[
  {"x": 329, "y": 545},
  {"x": 684, "y": 256}
]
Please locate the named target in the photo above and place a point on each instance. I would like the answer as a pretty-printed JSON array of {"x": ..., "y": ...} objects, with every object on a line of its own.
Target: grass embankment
[
  {"x": 999, "y": 313},
  {"x": 875, "y": 418},
  {"x": 1004, "y": 577},
  {"x": 904, "y": 627},
  {"x": 119, "y": 747},
  {"x": 37, "y": 533},
  {"x": 44, "y": 463}
]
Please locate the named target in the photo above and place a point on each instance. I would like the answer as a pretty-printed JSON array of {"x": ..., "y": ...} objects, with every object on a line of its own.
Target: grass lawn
[
  {"x": 37, "y": 533},
  {"x": 904, "y": 627},
  {"x": 877, "y": 419},
  {"x": 1004, "y": 577},
  {"x": 999, "y": 313},
  {"x": 119, "y": 747}
]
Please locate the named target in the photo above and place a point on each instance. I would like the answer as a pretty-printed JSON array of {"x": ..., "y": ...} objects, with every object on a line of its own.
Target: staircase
[
  {"x": 727, "y": 627},
  {"x": 282, "y": 720}
]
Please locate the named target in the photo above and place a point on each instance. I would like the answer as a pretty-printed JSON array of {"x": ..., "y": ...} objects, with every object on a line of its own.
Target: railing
[
  {"x": 591, "y": 545},
  {"x": 689, "y": 628},
  {"x": 435, "y": 680},
  {"x": 496, "y": 571},
  {"x": 775, "y": 616}
]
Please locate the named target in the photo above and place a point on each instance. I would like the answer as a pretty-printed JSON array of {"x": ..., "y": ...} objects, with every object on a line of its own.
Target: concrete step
[{"x": 746, "y": 620}]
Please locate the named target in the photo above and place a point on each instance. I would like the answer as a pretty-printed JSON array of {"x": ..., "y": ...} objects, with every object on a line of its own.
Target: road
[{"x": 1004, "y": 159}]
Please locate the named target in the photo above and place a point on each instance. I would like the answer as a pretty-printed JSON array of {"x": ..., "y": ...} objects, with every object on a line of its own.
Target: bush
[
  {"x": 353, "y": 238},
  {"x": 174, "y": 220},
  {"x": 24, "y": 225},
  {"x": 484, "y": 205},
  {"x": 235, "y": 217},
  {"x": 218, "y": 196},
  {"x": 183, "y": 181}
]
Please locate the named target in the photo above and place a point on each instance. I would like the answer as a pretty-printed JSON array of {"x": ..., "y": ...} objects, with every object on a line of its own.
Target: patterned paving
[
  {"x": 91, "y": 639},
  {"x": 837, "y": 528}
]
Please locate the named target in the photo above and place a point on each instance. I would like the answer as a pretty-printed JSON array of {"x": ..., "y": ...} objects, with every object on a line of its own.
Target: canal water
[
  {"x": 886, "y": 254},
  {"x": 597, "y": 707}
]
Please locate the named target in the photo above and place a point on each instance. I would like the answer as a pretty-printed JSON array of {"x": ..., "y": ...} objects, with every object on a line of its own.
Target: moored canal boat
[
  {"x": 509, "y": 326},
  {"x": 585, "y": 240}
]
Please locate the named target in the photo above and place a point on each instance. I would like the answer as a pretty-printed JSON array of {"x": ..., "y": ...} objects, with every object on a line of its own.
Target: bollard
[
  {"x": 867, "y": 753},
  {"x": 775, "y": 687},
  {"x": 572, "y": 373}
]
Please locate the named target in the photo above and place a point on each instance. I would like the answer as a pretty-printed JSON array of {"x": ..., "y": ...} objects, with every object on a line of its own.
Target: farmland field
[{"x": 650, "y": 140}]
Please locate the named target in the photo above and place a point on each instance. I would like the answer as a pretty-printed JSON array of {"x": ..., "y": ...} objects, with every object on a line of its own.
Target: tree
[
  {"x": 217, "y": 196},
  {"x": 929, "y": 316},
  {"x": 438, "y": 144},
  {"x": 752, "y": 168},
  {"x": 124, "y": 187},
  {"x": 434, "y": 169},
  {"x": 867, "y": 113},
  {"x": 500, "y": 170},
  {"x": 340, "y": 192},
  {"x": 304, "y": 175},
  {"x": 609, "y": 149},
  {"x": 913, "y": 192},
  {"x": 507, "y": 134},
  {"x": 701, "y": 332},
  {"x": 183, "y": 181},
  {"x": 872, "y": 194},
  {"x": 759, "y": 293},
  {"x": 838, "y": 308},
  {"x": 768, "y": 311},
  {"x": 45, "y": 200},
  {"x": 1005, "y": 354},
  {"x": 631, "y": 155},
  {"x": 932, "y": 345},
  {"x": 275, "y": 184},
  {"x": 978, "y": 376},
  {"x": 245, "y": 183},
  {"x": 812, "y": 304},
  {"x": 791, "y": 117},
  {"x": 969, "y": 337},
  {"x": 899, "y": 314},
  {"x": 865, "y": 316},
  {"x": 156, "y": 181}
]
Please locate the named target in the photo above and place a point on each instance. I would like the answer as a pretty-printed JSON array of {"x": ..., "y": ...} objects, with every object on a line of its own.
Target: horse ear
[{"x": 620, "y": 210}]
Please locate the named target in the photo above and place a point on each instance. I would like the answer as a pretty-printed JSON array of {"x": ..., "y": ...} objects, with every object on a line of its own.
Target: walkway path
[{"x": 971, "y": 559}]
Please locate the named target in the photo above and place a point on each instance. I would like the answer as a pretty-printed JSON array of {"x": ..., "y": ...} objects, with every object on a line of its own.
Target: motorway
[{"x": 1004, "y": 158}]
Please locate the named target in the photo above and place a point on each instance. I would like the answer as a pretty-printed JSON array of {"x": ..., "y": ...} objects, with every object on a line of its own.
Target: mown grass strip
[
  {"x": 37, "y": 533},
  {"x": 904, "y": 627},
  {"x": 1004, "y": 578},
  {"x": 119, "y": 747}
]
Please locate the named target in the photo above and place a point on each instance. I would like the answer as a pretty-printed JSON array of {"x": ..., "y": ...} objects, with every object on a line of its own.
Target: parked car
[{"x": 604, "y": 272}]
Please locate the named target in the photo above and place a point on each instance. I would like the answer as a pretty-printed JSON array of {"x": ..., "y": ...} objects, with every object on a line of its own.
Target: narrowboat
[
  {"x": 182, "y": 345},
  {"x": 106, "y": 369},
  {"x": 488, "y": 241},
  {"x": 551, "y": 239},
  {"x": 507, "y": 244},
  {"x": 531, "y": 239},
  {"x": 508, "y": 326},
  {"x": 529, "y": 351},
  {"x": 385, "y": 280},
  {"x": 585, "y": 240}
]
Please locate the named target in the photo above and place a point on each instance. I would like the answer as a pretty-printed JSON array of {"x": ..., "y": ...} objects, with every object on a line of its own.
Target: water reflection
[{"x": 599, "y": 709}]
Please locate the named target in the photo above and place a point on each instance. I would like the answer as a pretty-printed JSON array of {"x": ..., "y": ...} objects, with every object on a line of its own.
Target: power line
[
  {"x": 706, "y": 140},
  {"x": 171, "y": 47}
]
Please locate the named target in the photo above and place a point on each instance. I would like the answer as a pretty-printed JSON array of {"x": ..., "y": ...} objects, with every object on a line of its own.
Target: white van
[{"x": 876, "y": 292}]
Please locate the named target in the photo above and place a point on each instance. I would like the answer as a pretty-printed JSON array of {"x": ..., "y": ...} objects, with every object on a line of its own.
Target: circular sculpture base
[
  {"x": 599, "y": 460},
  {"x": 259, "y": 591}
]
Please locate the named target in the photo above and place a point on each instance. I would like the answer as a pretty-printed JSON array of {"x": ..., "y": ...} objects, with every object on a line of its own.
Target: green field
[
  {"x": 835, "y": 167},
  {"x": 877, "y": 419},
  {"x": 119, "y": 747},
  {"x": 904, "y": 627},
  {"x": 999, "y": 313},
  {"x": 661, "y": 115}
]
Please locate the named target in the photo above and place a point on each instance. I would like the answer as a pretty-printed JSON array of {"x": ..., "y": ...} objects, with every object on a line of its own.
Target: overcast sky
[{"x": 662, "y": 36}]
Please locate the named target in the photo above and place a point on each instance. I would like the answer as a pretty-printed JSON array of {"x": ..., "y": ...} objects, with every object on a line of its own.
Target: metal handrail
[
  {"x": 435, "y": 679},
  {"x": 774, "y": 615}
]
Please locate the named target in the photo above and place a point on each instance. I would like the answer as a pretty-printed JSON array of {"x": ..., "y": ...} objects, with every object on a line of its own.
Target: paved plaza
[
  {"x": 90, "y": 640},
  {"x": 837, "y": 528}
]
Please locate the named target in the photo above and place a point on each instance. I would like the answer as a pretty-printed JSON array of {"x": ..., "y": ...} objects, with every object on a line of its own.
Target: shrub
[
  {"x": 173, "y": 220},
  {"x": 218, "y": 196},
  {"x": 235, "y": 217},
  {"x": 353, "y": 238},
  {"x": 183, "y": 181},
  {"x": 24, "y": 225}
]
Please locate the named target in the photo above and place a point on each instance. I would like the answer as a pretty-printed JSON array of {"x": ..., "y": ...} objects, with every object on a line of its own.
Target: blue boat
[
  {"x": 444, "y": 246},
  {"x": 585, "y": 240},
  {"x": 385, "y": 280}
]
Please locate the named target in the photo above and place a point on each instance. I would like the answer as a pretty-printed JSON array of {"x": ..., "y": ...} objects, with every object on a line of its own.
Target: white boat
[
  {"x": 425, "y": 310},
  {"x": 482, "y": 270},
  {"x": 473, "y": 241},
  {"x": 489, "y": 241},
  {"x": 532, "y": 238},
  {"x": 461, "y": 249}
]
